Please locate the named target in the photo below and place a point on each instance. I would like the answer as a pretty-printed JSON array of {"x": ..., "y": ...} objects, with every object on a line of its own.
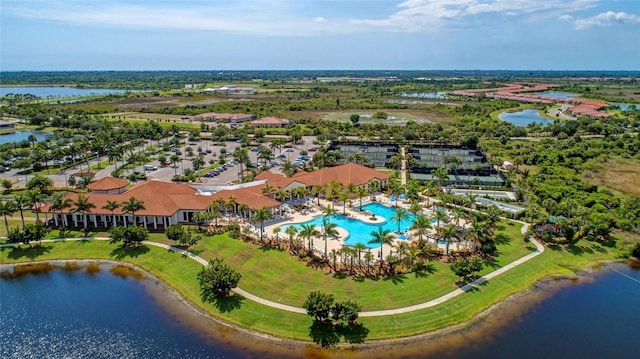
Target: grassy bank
[{"x": 276, "y": 276}]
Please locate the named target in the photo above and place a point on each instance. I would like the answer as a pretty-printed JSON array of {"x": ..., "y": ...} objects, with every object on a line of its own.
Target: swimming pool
[{"x": 359, "y": 231}]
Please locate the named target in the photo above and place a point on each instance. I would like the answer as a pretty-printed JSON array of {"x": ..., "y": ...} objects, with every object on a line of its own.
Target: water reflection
[{"x": 531, "y": 325}]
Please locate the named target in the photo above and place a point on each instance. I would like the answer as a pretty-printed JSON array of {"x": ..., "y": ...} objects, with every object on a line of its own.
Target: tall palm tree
[
  {"x": 291, "y": 231},
  {"x": 7, "y": 208},
  {"x": 261, "y": 215},
  {"x": 381, "y": 237},
  {"x": 359, "y": 248},
  {"x": 449, "y": 234},
  {"x": 307, "y": 231},
  {"x": 328, "y": 231},
  {"x": 36, "y": 197},
  {"x": 350, "y": 189},
  {"x": 61, "y": 203},
  {"x": 478, "y": 233},
  {"x": 112, "y": 206},
  {"x": 361, "y": 192},
  {"x": 83, "y": 206},
  {"x": 22, "y": 202},
  {"x": 229, "y": 204},
  {"x": 400, "y": 215},
  {"x": 421, "y": 223},
  {"x": 242, "y": 157},
  {"x": 442, "y": 176},
  {"x": 133, "y": 205},
  {"x": 439, "y": 215}
]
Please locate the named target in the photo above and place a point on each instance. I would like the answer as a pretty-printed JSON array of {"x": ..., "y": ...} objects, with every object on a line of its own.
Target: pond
[
  {"x": 101, "y": 311},
  {"x": 59, "y": 91},
  {"x": 558, "y": 95},
  {"x": 22, "y": 135},
  {"x": 524, "y": 117},
  {"x": 430, "y": 95}
]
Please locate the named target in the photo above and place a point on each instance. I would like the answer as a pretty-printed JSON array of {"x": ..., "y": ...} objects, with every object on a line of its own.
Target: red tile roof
[
  {"x": 348, "y": 173},
  {"x": 159, "y": 198},
  {"x": 107, "y": 183},
  {"x": 251, "y": 197}
]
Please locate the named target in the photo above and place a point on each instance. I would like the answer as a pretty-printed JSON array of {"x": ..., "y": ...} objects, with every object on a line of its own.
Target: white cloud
[
  {"x": 606, "y": 19},
  {"x": 418, "y": 15},
  {"x": 265, "y": 17}
]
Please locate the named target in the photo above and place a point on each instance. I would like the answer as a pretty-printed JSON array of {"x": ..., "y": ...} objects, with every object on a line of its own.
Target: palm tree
[
  {"x": 174, "y": 159},
  {"x": 449, "y": 234},
  {"x": 197, "y": 163},
  {"x": 268, "y": 189},
  {"x": 41, "y": 183},
  {"x": 359, "y": 248},
  {"x": 478, "y": 233},
  {"x": 442, "y": 176},
  {"x": 361, "y": 192},
  {"x": 261, "y": 215},
  {"x": 307, "y": 231},
  {"x": 471, "y": 199},
  {"x": 291, "y": 231},
  {"x": 276, "y": 231},
  {"x": 61, "y": 203},
  {"x": 241, "y": 156},
  {"x": 439, "y": 216},
  {"x": 381, "y": 237},
  {"x": 7, "y": 208},
  {"x": 35, "y": 197},
  {"x": 350, "y": 190},
  {"x": 415, "y": 207},
  {"x": 421, "y": 223},
  {"x": 328, "y": 230},
  {"x": 229, "y": 204},
  {"x": 23, "y": 202},
  {"x": 215, "y": 214},
  {"x": 132, "y": 205},
  {"x": 400, "y": 215},
  {"x": 83, "y": 206},
  {"x": 112, "y": 206}
]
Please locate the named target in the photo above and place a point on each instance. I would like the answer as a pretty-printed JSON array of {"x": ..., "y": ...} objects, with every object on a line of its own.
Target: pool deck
[{"x": 336, "y": 243}]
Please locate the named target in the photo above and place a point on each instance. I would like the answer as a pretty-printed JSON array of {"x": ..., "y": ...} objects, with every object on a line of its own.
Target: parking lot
[{"x": 229, "y": 174}]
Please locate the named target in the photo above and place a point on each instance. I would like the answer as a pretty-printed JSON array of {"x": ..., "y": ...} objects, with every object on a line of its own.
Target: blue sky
[{"x": 314, "y": 34}]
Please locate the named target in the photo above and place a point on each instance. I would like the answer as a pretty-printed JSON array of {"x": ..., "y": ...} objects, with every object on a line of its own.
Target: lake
[
  {"x": 22, "y": 135},
  {"x": 524, "y": 117},
  {"x": 58, "y": 91},
  {"x": 101, "y": 311}
]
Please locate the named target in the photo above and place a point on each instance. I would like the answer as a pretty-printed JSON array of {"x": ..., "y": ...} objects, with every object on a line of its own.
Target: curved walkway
[{"x": 376, "y": 313}]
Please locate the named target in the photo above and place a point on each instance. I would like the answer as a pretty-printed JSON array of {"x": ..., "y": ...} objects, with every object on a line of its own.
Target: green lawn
[{"x": 278, "y": 277}]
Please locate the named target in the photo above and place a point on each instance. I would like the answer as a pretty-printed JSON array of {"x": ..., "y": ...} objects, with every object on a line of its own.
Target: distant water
[
  {"x": 430, "y": 95},
  {"x": 626, "y": 107},
  {"x": 22, "y": 135},
  {"x": 102, "y": 313},
  {"x": 48, "y": 92},
  {"x": 558, "y": 94},
  {"x": 524, "y": 117}
]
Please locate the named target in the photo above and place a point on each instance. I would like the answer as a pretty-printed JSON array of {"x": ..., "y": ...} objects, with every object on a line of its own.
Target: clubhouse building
[{"x": 173, "y": 203}]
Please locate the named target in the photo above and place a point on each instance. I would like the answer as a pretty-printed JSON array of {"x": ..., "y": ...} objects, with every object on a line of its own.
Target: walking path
[{"x": 377, "y": 313}]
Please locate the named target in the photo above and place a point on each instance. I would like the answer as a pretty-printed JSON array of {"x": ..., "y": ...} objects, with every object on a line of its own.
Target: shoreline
[{"x": 435, "y": 338}]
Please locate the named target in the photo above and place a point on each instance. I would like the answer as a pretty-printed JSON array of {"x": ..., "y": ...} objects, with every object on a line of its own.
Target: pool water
[{"x": 359, "y": 231}]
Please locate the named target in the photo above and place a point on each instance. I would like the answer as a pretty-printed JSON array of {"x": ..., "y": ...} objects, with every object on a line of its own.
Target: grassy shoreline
[{"x": 179, "y": 273}]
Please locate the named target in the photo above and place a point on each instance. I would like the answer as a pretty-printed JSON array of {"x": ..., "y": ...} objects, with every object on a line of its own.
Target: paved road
[{"x": 467, "y": 287}]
